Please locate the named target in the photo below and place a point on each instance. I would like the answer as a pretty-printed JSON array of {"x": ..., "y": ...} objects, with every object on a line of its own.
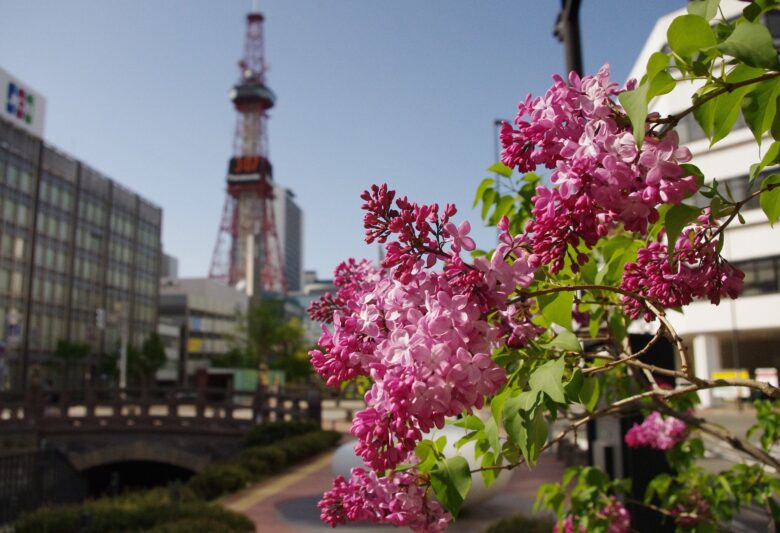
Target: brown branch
[
  {"x": 655, "y": 393},
  {"x": 726, "y": 87},
  {"x": 616, "y": 361},
  {"x": 738, "y": 206},
  {"x": 685, "y": 366},
  {"x": 722, "y": 433},
  {"x": 659, "y": 313}
]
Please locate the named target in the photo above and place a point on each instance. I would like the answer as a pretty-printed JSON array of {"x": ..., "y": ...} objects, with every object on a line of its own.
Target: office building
[
  {"x": 740, "y": 333},
  {"x": 208, "y": 314},
  {"x": 169, "y": 267},
  {"x": 79, "y": 253},
  {"x": 289, "y": 224}
]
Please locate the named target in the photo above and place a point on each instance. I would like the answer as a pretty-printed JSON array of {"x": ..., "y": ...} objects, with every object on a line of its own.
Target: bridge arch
[{"x": 139, "y": 451}]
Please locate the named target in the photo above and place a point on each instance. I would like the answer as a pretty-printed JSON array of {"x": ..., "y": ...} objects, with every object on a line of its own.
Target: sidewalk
[{"x": 288, "y": 503}]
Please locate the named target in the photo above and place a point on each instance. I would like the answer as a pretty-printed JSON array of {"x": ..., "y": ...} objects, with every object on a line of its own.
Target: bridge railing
[{"x": 164, "y": 408}]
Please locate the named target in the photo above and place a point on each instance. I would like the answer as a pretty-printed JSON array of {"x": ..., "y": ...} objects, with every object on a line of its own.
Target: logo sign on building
[{"x": 22, "y": 106}]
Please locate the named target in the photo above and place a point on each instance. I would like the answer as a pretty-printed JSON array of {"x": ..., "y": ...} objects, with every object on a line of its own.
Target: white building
[
  {"x": 742, "y": 333},
  {"x": 208, "y": 315}
]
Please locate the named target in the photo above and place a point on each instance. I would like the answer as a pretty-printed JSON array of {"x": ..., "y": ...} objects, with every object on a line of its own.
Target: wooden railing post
[
  {"x": 200, "y": 405},
  {"x": 315, "y": 405}
]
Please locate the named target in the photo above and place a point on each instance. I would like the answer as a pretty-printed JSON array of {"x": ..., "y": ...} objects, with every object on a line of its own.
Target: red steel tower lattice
[{"x": 248, "y": 250}]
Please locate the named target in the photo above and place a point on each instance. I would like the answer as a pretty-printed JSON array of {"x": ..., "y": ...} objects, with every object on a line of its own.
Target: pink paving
[{"x": 287, "y": 503}]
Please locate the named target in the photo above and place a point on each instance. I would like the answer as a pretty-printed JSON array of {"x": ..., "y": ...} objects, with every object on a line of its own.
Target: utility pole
[{"x": 567, "y": 31}]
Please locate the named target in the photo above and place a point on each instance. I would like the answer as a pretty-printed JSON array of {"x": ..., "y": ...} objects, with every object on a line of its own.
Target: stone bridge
[{"x": 184, "y": 428}]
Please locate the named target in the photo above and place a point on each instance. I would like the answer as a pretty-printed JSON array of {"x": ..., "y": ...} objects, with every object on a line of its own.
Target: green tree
[
  {"x": 268, "y": 335},
  {"x": 143, "y": 364},
  {"x": 71, "y": 353}
]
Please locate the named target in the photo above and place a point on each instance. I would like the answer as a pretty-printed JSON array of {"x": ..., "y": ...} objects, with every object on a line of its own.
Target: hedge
[
  {"x": 271, "y": 432},
  {"x": 218, "y": 479},
  {"x": 109, "y": 514},
  {"x": 255, "y": 463},
  {"x": 522, "y": 523}
]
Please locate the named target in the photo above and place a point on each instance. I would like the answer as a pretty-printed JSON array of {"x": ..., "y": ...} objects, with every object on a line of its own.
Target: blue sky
[{"x": 403, "y": 92}]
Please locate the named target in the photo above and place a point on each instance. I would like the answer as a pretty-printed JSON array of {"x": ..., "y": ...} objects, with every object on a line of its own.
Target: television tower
[{"x": 248, "y": 252}]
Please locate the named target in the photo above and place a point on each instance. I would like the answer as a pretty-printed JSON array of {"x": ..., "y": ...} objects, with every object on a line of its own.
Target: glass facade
[{"x": 73, "y": 245}]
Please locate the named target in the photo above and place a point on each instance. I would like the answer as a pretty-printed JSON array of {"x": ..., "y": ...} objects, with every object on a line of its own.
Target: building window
[{"x": 762, "y": 276}]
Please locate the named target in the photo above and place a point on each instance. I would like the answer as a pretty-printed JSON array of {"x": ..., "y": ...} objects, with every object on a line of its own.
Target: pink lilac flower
[
  {"x": 601, "y": 178},
  {"x": 695, "y": 270},
  {"x": 617, "y": 516},
  {"x": 566, "y": 526},
  {"x": 657, "y": 432},
  {"x": 693, "y": 511},
  {"x": 423, "y": 336},
  {"x": 615, "y": 513},
  {"x": 396, "y": 499}
]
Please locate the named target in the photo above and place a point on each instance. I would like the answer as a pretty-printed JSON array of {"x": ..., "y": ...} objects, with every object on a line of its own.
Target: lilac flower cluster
[
  {"x": 615, "y": 513},
  {"x": 396, "y": 499},
  {"x": 695, "y": 270},
  {"x": 657, "y": 432},
  {"x": 617, "y": 516},
  {"x": 422, "y": 335},
  {"x": 602, "y": 178}
]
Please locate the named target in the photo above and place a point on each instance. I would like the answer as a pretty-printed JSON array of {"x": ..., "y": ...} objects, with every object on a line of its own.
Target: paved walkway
[{"x": 288, "y": 503}]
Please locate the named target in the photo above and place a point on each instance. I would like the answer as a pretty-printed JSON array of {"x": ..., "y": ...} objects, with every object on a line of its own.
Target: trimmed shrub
[
  {"x": 260, "y": 461},
  {"x": 302, "y": 446},
  {"x": 113, "y": 514},
  {"x": 522, "y": 523},
  {"x": 271, "y": 432},
  {"x": 218, "y": 479},
  {"x": 188, "y": 525}
]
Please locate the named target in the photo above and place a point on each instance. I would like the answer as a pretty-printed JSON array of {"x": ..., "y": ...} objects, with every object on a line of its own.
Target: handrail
[{"x": 160, "y": 408}]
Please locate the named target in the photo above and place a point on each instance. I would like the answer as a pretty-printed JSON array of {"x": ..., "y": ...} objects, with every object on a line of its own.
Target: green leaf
[
  {"x": 693, "y": 170},
  {"x": 588, "y": 271},
  {"x": 589, "y": 393},
  {"x": 751, "y": 43},
  {"x": 489, "y": 476},
  {"x": 573, "y": 387},
  {"x": 470, "y": 422},
  {"x": 514, "y": 423},
  {"x": 500, "y": 168},
  {"x": 488, "y": 197},
  {"x": 726, "y": 106},
  {"x": 659, "y": 485},
  {"x": 565, "y": 340},
  {"x": 497, "y": 404},
  {"x": 557, "y": 307},
  {"x": 503, "y": 207},
  {"x": 774, "y": 130},
  {"x": 537, "y": 436},
  {"x": 617, "y": 326},
  {"x": 427, "y": 455},
  {"x": 770, "y": 201},
  {"x": 487, "y": 182},
  {"x": 451, "y": 481},
  {"x": 491, "y": 432},
  {"x": 707, "y": 9},
  {"x": 676, "y": 219},
  {"x": 759, "y": 107},
  {"x": 771, "y": 157},
  {"x": 689, "y": 34},
  {"x": 635, "y": 104},
  {"x": 527, "y": 400},
  {"x": 548, "y": 379},
  {"x": 531, "y": 177}
]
